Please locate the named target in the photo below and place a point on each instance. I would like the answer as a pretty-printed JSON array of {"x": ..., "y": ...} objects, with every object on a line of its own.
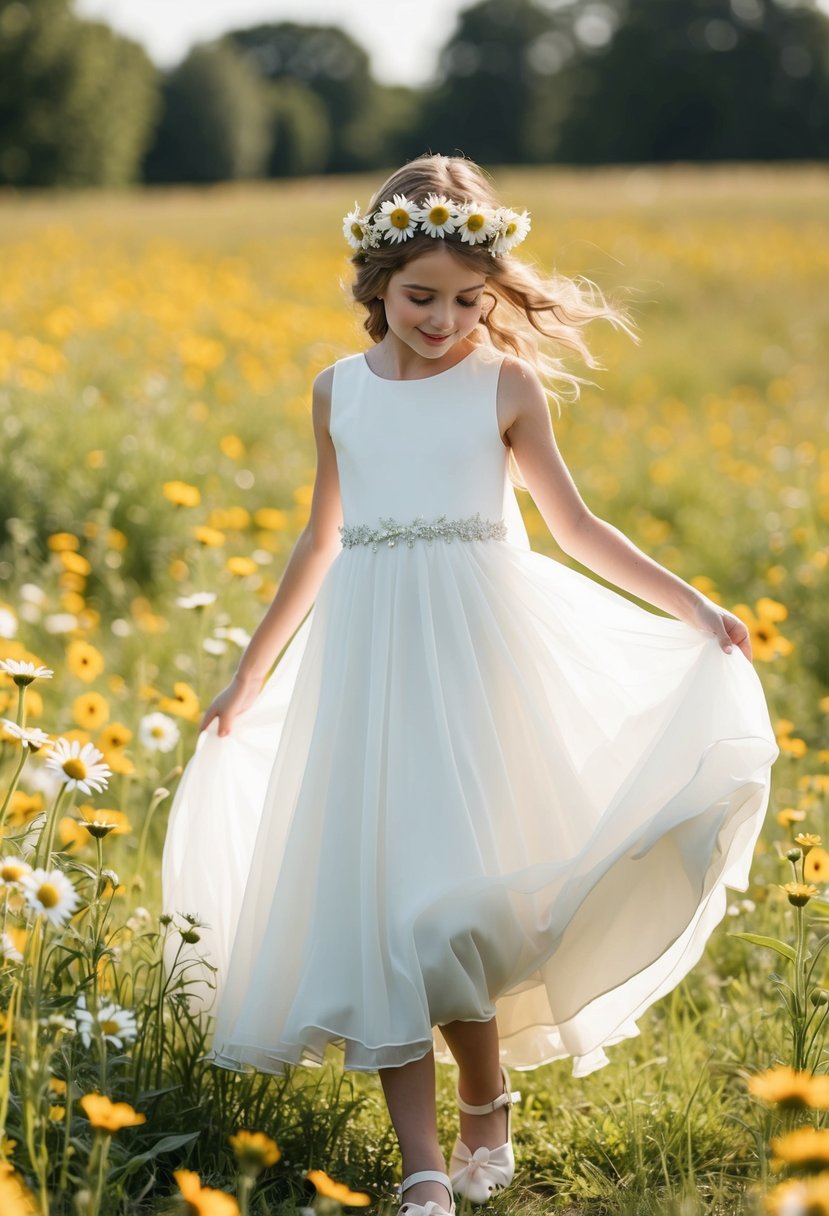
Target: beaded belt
[{"x": 470, "y": 528}]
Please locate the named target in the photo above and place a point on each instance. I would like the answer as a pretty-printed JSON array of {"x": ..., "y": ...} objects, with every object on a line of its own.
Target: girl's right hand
[{"x": 239, "y": 695}]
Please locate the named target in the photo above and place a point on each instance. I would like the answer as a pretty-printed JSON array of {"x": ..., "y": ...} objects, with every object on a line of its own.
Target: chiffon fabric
[{"x": 477, "y": 782}]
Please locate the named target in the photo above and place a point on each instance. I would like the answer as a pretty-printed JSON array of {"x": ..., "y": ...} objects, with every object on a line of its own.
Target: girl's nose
[{"x": 441, "y": 318}]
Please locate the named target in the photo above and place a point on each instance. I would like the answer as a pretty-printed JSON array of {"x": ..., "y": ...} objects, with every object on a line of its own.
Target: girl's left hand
[{"x": 725, "y": 626}]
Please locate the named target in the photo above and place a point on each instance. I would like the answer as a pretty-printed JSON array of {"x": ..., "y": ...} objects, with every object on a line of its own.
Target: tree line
[{"x": 518, "y": 82}]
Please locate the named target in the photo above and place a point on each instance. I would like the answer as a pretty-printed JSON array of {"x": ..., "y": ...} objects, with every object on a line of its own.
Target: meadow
[{"x": 156, "y": 356}]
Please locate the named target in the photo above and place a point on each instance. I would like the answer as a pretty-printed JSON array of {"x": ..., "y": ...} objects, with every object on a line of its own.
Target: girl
[{"x": 485, "y": 808}]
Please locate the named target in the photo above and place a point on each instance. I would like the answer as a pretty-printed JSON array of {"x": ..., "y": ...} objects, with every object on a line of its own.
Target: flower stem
[
  {"x": 24, "y": 754},
  {"x": 47, "y": 835}
]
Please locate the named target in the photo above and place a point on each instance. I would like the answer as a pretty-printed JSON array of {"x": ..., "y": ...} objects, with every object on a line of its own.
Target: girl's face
[{"x": 433, "y": 302}]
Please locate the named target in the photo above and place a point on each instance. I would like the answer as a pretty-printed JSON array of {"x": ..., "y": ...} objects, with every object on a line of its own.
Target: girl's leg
[
  {"x": 410, "y": 1096},
  {"x": 475, "y": 1048}
]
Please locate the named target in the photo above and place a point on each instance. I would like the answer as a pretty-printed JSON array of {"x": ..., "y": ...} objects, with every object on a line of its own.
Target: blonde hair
[{"x": 529, "y": 314}]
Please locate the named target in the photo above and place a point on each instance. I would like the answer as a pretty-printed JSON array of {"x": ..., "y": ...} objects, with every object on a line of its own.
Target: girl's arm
[
  {"x": 594, "y": 542},
  {"x": 315, "y": 549}
]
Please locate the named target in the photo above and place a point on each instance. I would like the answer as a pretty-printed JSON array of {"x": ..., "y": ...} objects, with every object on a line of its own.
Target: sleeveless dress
[{"x": 477, "y": 782}]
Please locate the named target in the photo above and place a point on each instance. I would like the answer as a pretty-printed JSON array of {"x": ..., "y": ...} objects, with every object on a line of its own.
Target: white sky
[{"x": 402, "y": 37}]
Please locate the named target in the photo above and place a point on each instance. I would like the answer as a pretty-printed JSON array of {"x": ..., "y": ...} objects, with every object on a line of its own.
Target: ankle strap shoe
[
  {"x": 431, "y": 1208},
  {"x": 478, "y": 1175}
]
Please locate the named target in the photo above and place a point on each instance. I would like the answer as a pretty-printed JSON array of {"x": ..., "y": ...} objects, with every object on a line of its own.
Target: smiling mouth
[{"x": 435, "y": 337}]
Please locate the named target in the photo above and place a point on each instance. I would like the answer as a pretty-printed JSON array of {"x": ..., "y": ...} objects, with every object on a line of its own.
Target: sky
[{"x": 402, "y": 37}]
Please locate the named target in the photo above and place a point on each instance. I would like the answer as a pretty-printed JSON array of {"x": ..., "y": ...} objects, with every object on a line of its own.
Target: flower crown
[{"x": 398, "y": 218}]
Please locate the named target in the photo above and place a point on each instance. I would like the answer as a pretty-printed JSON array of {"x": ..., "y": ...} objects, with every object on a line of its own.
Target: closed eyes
[{"x": 428, "y": 300}]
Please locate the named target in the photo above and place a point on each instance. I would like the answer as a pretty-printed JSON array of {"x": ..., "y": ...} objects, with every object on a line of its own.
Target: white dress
[{"x": 478, "y": 782}]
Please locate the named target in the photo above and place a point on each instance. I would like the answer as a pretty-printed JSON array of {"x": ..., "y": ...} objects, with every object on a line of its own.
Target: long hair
[{"x": 529, "y": 314}]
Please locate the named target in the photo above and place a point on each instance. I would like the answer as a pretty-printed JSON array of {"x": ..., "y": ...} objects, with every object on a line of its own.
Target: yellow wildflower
[
  {"x": 337, "y": 1190},
  {"x": 212, "y": 538},
  {"x": 254, "y": 1151},
  {"x": 806, "y": 1146},
  {"x": 799, "y": 893},
  {"x": 203, "y": 1200},
  {"x": 181, "y": 494},
  {"x": 109, "y": 1116},
  {"x": 84, "y": 661},
  {"x": 816, "y": 865},
  {"x": 184, "y": 702},
  {"x": 241, "y": 566},
  {"x": 91, "y": 710}
]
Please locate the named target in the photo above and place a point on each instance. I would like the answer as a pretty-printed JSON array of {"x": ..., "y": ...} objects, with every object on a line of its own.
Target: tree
[
  {"x": 216, "y": 122},
  {"x": 328, "y": 63},
  {"x": 703, "y": 80},
  {"x": 487, "y": 83},
  {"x": 77, "y": 102}
]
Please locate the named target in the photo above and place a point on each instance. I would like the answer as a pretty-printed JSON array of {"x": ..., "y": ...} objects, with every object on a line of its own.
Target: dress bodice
[{"x": 419, "y": 448}]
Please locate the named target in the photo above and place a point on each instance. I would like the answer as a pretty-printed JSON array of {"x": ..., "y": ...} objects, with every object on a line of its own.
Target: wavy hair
[{"x": 530, "y": 315}]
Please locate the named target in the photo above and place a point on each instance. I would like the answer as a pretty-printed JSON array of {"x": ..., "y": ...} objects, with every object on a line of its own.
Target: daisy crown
[{"x": 498, "y": 229}]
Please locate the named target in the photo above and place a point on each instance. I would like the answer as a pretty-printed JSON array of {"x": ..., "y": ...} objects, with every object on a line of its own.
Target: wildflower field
[{"x": 156, "y": 356}]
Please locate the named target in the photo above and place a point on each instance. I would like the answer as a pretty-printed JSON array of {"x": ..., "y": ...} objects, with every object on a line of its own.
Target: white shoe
[
  {"x": 431, "y": 1208},
  {"x": 476, "y": 1176}
]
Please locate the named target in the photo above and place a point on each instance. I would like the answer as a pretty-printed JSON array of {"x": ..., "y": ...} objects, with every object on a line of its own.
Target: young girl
[{"x": 485, "y": 808}]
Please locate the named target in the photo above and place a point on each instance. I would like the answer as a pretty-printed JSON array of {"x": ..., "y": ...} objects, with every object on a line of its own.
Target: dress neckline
[{"x": 418, "y": 379}]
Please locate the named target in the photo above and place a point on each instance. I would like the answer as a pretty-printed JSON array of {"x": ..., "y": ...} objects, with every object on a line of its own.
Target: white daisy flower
[
  {"x": 13, "y": 870},
  {"x": 24, "y": 673},
  {"x": 438, "y": 215},
  {"x": 398, "y": 218},
  {"x": 29, "y": 736},
  {"x": 60, "y": 622},
  {"x": 60, "y": 1022},
  {"x": 476, "y": 224},
  {"x": 77, "y": 767},
  {"x": 10, "y": 951},
  {"x": 240, "y": 637},
  {"x": 50, "y": 892},
  {"x": 214, "y": 646},
  {"x": 115, "y": 1023},
  {"x": 8, "y": 623},
  {"x": 199, "y": 599},
  {"x": 512, "y": 228},
  {"x": 354, "y": 228},
  {"x": 158, "y": 732}
]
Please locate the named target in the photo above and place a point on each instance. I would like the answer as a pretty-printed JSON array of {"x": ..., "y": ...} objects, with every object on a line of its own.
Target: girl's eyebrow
[{"x": 464, "y": 290}]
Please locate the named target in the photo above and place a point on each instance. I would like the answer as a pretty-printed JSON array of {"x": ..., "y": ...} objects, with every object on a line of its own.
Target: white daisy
[
  {"x": 234, "y": 633},
  {"x": 438, "y": 215},
  {"x": 8, "y": 623},
  {"x": 158, "y": 732},
  {"x": 24, "y": 673},
  {"x": 512, "y": 228},
  {"x": 10, "y": 951},
  {"x": 398, "y": 218},
  {"x": 214, "y": 646},
  {"x": 199, "y": 599},
  {"x": 115, "y": 1023},
  {"x": 50, "y": 892},
  {"x": 476, "y": 224},
  {"x": 13, "y": 870},
  {"x": 77, "y": 767},
  {"x": 354, "y": 228},
  {"x": 29, "y": 736}
]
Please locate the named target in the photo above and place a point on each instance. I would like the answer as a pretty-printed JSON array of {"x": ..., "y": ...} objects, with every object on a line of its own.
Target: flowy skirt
[{"x": 477, "y": 783}]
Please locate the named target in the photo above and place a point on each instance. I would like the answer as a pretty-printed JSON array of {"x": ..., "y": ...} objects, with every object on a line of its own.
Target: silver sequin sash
[{"x": 472, "y": 527}]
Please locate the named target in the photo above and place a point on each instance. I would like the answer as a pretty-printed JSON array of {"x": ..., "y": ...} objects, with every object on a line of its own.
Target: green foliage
[
  {"x": 701, "y": 80},
  {"x": 215, "y": 123},
  {"x": 77, "y": 102},
  {"x": 300, "y": 130}
]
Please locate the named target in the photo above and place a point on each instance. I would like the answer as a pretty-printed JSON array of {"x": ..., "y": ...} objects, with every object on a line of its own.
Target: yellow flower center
[
  {"x": 400, "y": 218},
  {"x": 110, "y": 1026},
  {"x": 511, "y": 228},
  {"x": 157, "y": 732},
  {"x": 10, "y": 872},
  {"x": 75, "y": 768},
  {"x": 357, "y": 231},
  {"x": 475, "y": 222},
  {"x": 48, "y": 895},
  {"x": 439, "y": 215}
]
